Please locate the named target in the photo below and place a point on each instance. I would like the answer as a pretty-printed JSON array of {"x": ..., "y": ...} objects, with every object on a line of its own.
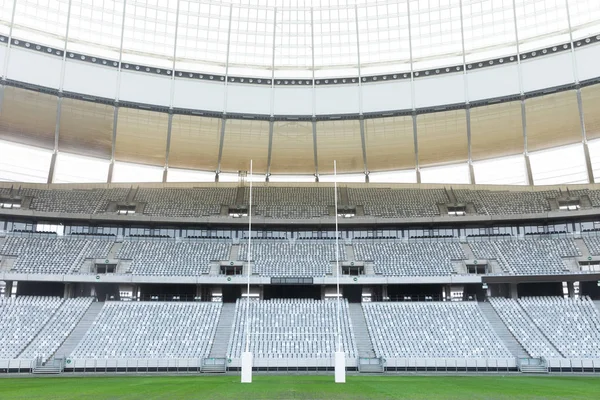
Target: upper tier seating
[
  {"x": 81, "y": 201},
  {"x": 526, "y": 333},
  {"x": 505, "y": 202},
  {"x": 291, "y": 202},
  {"x": 395, "y": 258},
  {"x": 301, "y": 258},
  {"x": 432, "y": 330},
  {"x": 21, "y": 318},
  {"x": 291, "y": 328},
  {"x": 534, "y": 256},
  {"x": 54, "y": 255},
  {"x": 183, "y": 202},
  {"x": 151, "y": 330},
  {"x": 593, "y": 244},
  {"x": 58, "y": 328},
  {"x": 168, "y": 257},
  {"x": 573, "y": 325},
  {"x": 398, "y": 203}
]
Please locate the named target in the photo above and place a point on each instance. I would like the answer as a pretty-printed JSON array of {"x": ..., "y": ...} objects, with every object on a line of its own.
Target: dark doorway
[
  {"x": 231, "y": 293},
  {"x": 353, "y": 293},
  {"x": 29, "y": 288},
  {"x": 292, "y": 292}
]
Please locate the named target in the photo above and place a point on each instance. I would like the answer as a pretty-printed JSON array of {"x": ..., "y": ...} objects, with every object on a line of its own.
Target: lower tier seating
[
  {"x": 432, "y": 330},
  {"x": 151, "y": 330},
  {"x": 291, "y": 328}
]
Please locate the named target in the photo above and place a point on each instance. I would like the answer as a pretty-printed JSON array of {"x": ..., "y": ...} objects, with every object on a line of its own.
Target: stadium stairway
[
  {"x": 80, "y": 330},
  {"x": 223, "y": 332},
  {"x": 597, "y": 304},
  {"x": 502, "y": 331},
  {"x": 364, "y": 346},
  {"x": 468, "y": 252}
]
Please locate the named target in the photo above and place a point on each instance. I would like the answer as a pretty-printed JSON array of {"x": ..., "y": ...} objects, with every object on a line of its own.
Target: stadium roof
[{"x": 437, "y": 133}]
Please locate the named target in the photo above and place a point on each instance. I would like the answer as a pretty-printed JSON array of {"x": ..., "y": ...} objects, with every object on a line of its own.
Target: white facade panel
[
  {"x": 249, "y": 99},
  {"x": 587, "y": 61},
  {"x": 337, "y": 99},
  {"x": 492, "y": 82},
  {"x": 386, "y": 96},
  {"x": 547, "y": 71},
  {"x": 77, "y": 79},
  {"x": 199, "y": 95},
  {"x": 439, "y": 90},
  {"x": 34, "y": 67},
  {"x": 293, "y": 100},
  {"x": 145, "y": 88}
]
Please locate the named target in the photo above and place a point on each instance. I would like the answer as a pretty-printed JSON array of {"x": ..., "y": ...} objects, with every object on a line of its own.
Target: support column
[
  {"x": 8, "y": 289},
  {"x": 314, "y": 130},
  {"x": 571, "y": 289},
  {"x": 469, "y": 147},
  {"x": 56, "y": 136},
  {"x": 364, "y": 147},
  {"x": 168, "y": 149},
  {"x": 529, "y": 174},
  {"x": 113, "y": 143},
  {"x": 221, "y": 140},
  {"x": 4, "y": 71},
  {"x": 586, "y": 150},
  {"x": 416, "y": 146},
  {"x": 1, "y": 96},
  {"x": 271, "y": 123}
]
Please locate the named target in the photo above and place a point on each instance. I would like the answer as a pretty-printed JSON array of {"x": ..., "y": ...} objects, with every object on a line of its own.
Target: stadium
[{"x": 299, "y": 199}]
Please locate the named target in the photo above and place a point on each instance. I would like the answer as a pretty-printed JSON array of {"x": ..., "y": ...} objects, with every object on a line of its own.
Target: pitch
[{"x": 275, "y": 387}]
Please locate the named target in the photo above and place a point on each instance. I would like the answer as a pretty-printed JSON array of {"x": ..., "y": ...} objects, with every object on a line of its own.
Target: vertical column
[
  {"x": 9, "y": 44},
  {"x": 271, "y": 119},
  {"x": 470, "y": 158},
  {"x": 528, "y": 173},
  {"x": 172, "y": 96},
  {"x": 412, "y": 96},
  {"x": 314, "y": 92},
  {"x": 111, "y": 166},
  {"x": 586, "y": 149},
  {"x": 120, "y": 66},
  {"x": 59, "y": 100},
  {"x": 56, "y": 136},
  {"x": 271, "y": 123},
  {"x": 466, "y": 88},
  {"x": 360, "y": 98},
  {"x": 221, "y": 140},
  {"x": 168, "y": 149},
  {"x": 416, "y": 145}
]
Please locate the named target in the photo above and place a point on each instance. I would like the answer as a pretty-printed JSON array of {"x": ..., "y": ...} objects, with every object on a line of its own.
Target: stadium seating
[
  {"x": 535, "y": 256},
  {"x": 593, "y": 244},
  {"x": 21, "y": 319},
  {"x": 432, "y": 330},
  {"x": 166, "y": 257},
  {"x": 300, "y": 258},
  {"x": 526, "y": 333},
  {"x": 57, "y": 329},
  {"x": 151, "y": 330},
  {"x": 291, "y": 328},
  {"x": 570, "y": 324},
  {"x": 398, "y": 203},
  {"x": 413, "y": 258},
  {"x": 54, "y": 255},
  {"x": 506, "y": 202},
  {"x": 291, "y": 202},
  {"x": 185, "y": 202}
]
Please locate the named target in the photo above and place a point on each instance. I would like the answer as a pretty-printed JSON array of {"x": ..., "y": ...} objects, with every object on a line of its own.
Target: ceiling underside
[{"x": 497, "y": 130}]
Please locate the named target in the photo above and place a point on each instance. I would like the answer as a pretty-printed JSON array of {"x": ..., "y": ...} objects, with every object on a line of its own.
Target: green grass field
[{"x": 275, "y": 387}]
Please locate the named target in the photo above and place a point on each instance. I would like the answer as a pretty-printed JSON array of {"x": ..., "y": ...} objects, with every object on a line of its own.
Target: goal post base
[
  {"x": 340, "y": 367},
  {"x": 247, "y": 367}
]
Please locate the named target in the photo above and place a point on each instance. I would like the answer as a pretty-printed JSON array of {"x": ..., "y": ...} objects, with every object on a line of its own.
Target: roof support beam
[
  {"x": 111, "y": 166},
  {"x": 271, "y": 123},
  {"x": 469, "y": 148},
  {"x": 416, "y": 146},
  {"x": 120, "y": 68},
  {"x": 528, "y": 173},
  {"x": 1, "y": 96},
  {"x": 56, "y": 137},
  {"x": 314, "y": 131},
  {"x": 168, "y": 149},
  {"x": 221, "y": 140},
  {"x": 364, "y": 146},
  {"x": 64, "y": 57},
  {"x": 586, "y": 150}
]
